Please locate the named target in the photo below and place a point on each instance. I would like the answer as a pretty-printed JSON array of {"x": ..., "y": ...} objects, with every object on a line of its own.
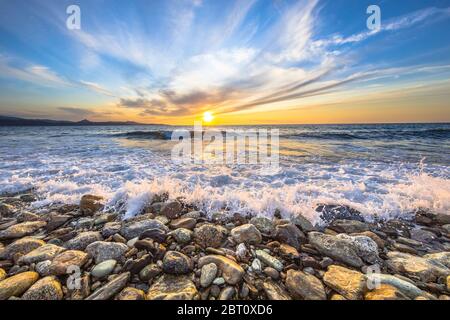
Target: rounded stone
[
  {"x": 104, "y": 268},
  {"x": 48, "y": 288},
  {"x": 176, "y": 263},
  {"x": 208, "y": 274}
]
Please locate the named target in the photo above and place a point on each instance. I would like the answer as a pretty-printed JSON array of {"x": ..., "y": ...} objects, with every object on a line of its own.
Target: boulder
[
  {"x": 171, "y": 209},
  {"x": 176, "y": 263},
  {"x": 21, "y": 247},
  {"x": 264, "y": 225},
  {"x": 290, "y": 234}
]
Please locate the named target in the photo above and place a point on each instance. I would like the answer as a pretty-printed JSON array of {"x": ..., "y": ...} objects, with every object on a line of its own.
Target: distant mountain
[{"x": 13, "y": 121}]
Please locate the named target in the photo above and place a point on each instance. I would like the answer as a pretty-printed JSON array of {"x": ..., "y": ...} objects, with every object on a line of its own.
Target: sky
[{"x": 243, "y": 61}]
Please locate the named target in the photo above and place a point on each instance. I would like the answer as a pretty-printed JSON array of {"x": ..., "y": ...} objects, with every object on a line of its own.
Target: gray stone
[
  {"x": 348, "y": 226},
  {"x": 338, "y": 249},
  {"x": 208, "y": 274},
  {"x": 182, "y": 235},
  {"x": 110, "y": 289},
  {"x": 176, "y": 263},
  {"x": 81, "y": 241},
  {"x": 135, "y": 228},
  {"x": 104, "y": 268},
  {"x": 102, "y": 251},
  {"x": 210, "y": 235},
  {"x": 45, "y": 252},
  {"x": 269, "y": 260},
  {"x": 246, "y": 233},
  {"x": 264, "y": 225}
]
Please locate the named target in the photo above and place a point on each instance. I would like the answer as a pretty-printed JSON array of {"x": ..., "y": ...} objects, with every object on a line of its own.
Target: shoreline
[{"x": 172, "y": 251}]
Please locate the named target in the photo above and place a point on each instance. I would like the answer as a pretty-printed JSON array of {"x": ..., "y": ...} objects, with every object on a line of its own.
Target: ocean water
[{"x": 385, "y": 171}]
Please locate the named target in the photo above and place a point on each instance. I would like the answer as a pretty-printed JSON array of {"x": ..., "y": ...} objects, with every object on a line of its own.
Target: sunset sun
[{"x": 208, "y": 117}]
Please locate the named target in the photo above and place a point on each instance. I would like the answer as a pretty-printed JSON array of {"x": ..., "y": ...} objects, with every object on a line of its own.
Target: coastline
[{"x": 172, "y": 251}]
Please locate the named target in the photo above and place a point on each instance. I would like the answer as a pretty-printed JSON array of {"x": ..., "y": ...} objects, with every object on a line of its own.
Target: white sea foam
[{"x": 129, "y": 176}]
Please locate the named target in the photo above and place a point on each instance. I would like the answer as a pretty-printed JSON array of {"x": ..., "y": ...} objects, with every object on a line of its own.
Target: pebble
[
  {"x": 48, "y": 288},
  {"x": 104, "y": 269},
  {"x": 68, "y": 261},
  {"x": 246, "y": 233},
  {"x": 210, "y": 235},
  {"x": 111, "y": 288},
  {"x": 304, "y": 286},
  {"x": 102, "y": 251},
  {"x": 208, "y": 274},
  {"x": 349, "y": 283},
  {"x": 16, "y": 285},
  {"x": 269, "y": 260},
  {"x": 176, "y": 263},
  {"x": 171, "y": 287}
]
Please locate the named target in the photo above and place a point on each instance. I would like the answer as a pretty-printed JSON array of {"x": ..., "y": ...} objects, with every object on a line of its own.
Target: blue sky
[{"x": 246, "y": 61}]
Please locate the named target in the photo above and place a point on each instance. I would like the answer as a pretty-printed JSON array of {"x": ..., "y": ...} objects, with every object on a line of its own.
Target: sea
[{"x": 383, "y": 171}]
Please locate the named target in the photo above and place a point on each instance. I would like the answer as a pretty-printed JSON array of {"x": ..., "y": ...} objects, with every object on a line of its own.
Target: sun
[{"x": 208, "y": 117}]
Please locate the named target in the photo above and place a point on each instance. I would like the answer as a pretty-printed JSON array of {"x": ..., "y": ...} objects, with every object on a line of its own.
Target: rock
[
  {"x": 348, "y": 226},
  {"x": 63, "y": 262},
  {"x": 56, "y": 220},
  {"x": 330, "y": 213},
  {"x": 134, "y": 229},
  {"x": 6, "y": 210},
  {"x": 182, "y": 235},
  {"x": 21, "y": 230},
  {"x": 84, "y": 239},
  {"x": 2, "y": 274},
  {"x": 430, "y": 218},
  {"x": 26, "y": 216},
  {"x": 149, "y": 272},
  {"x": 159, "y": 235},
  {"x": 304, "y": 286},
  {"x": 16, "y": 285},
  {"x": 448, "y": 283},
  {"x": 111, "y": 228},
  {"x": 104, "y": 269},
  {"x": 131, "y": 294},
  {"x": 111, "y": 288},
  {"x": 288, "y": 252},
  {"x": 256, "y": 266},
  {"x": 290, "y": 234},
  {"x": 185, "y": 222},
  {"x": 21, "y": 247},
  {"x": 405, "y": 287},
  {"x": 422, "y": 235},
  {"x": 210, "y": 235},
  {"x": 275, "y": 291},
  {"x": 380, "y": 242},
  {"x": 246, "y": 233},
  {"x": 385, "y": 292},
  {"x": 349, "y": 283},
  {"x": 170, "y": 287},
  {"x": 269, "y": 260},
  {"x": 45, "y": 252},
  {"x": 227, "y": 294},
  {"x": 442, "y": 258},
  {"x": 337, "y": 297},
  {"x": 304, "y": 224},
  {"x": 135, "y": 266},
  {"x": 102, "y": 251},
  {"x": 365, "y": 247},
  {"x": 231, "y": 271},
  {"x": 83, "y": 223},
  {"x": 241, "y": 252},
  {"x": 219, "y": 281},
  {"x": 171, "y": 209},
  {"x": 176, "y": 263},
  {"x": 338, "y": 249},
  {"x": 272, "y": 273},
  {"x": 48, "y": 288},
  {"x": 264, "y": 225},
  {"x": 208, "y": 274},
  {"x": 421, "y": 268},
  {"x": 43, "y": 268},
  {"x": 90, "y": 204}
]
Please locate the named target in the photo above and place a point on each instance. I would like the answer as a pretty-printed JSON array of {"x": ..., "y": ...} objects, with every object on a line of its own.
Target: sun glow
[{"x": 208, "y": 117}]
